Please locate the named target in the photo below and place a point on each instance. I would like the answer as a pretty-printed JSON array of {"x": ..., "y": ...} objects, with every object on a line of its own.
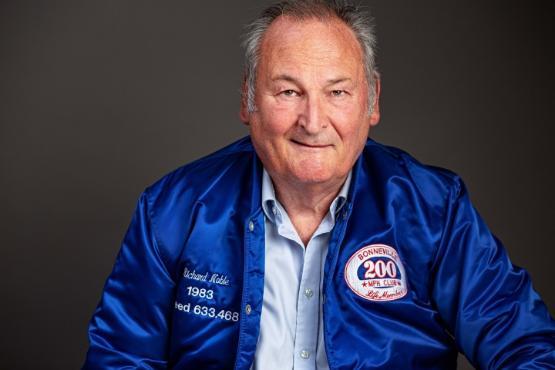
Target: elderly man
[{"x": 308, "y": 246}]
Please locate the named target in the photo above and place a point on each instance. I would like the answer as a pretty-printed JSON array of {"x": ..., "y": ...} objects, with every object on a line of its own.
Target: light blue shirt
[{"x": 291, "y": 326}]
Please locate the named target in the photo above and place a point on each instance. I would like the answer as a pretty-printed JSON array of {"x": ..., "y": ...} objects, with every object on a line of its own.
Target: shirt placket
[{"x": 306, "y": 333}]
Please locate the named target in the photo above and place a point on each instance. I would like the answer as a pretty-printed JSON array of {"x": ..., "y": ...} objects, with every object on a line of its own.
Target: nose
[{"x": 312, "y": 117}]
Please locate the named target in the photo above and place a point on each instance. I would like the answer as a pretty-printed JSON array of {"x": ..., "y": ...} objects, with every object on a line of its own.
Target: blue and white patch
[{"x": 375, "y": 273}]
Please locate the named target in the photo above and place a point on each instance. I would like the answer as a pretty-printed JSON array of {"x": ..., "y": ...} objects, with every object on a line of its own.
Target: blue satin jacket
[{"x": 412, "y": 276}]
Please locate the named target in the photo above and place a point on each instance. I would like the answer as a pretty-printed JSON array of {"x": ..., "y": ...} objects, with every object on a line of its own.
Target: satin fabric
[{"x": 463, "y": 292}]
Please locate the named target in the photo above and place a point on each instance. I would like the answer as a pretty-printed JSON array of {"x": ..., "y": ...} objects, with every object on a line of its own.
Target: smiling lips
[{"x": 310, "y": 145}]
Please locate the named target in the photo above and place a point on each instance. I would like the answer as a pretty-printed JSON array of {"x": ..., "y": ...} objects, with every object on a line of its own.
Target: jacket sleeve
[
  {"x": 488, "y": 304},
  {"x": 130, "y": 326}
]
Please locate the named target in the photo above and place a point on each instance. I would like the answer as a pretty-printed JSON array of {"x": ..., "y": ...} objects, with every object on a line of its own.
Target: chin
[{"x": 312, "y": 176}]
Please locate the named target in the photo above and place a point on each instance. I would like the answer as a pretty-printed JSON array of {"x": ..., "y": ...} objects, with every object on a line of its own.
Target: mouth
[{"x": 310, "y": 145}]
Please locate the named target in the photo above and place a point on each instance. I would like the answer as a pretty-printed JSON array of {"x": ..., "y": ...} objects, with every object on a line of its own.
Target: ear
[
  {"x": 375, "y": 116},
  {"x": 244, "y": 114}
]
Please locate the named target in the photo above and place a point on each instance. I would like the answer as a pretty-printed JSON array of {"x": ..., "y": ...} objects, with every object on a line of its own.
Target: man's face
[{"x": 312, "y": 120}]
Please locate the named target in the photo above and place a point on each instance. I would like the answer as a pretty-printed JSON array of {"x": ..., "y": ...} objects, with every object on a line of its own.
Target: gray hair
[{"x": 355, "y": 18}]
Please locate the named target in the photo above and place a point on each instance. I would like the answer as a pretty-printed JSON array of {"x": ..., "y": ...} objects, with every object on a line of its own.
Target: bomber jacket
[{"x": 412, "y": 275}]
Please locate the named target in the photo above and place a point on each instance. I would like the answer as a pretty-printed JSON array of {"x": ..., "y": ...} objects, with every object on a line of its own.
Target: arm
[
  {"x": 489, "y": 305},
  {"x": 130, "y": 326}
]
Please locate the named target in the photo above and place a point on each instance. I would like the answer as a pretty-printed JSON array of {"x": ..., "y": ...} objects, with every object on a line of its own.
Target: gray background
[{"x": 98, "y": 99}]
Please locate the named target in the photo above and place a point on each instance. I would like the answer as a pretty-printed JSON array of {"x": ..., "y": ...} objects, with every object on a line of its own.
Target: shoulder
[
  {"x": 173, "y": 200},
  {"x": 394, "y": 165},
  {"x": 172, "y": 203},
  {"x": 193, "y": 180}
]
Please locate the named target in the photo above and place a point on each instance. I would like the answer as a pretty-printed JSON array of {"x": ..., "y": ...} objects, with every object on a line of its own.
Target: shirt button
[
  {"x": 251, "y": 226},
  {"x": 308, "y": 293},
  {"x": 274, "y": 210},
  {"x": 248, "y": 309},
  {"x": 305, "y": 354}
]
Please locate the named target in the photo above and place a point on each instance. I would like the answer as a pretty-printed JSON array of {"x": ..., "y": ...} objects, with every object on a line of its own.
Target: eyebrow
[
  {"x": 286, "y": 77},
  {"x": 334, "y": 81}
]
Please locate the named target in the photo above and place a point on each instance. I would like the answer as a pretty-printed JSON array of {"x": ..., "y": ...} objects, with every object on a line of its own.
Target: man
[{"x": 309, "y": 246}]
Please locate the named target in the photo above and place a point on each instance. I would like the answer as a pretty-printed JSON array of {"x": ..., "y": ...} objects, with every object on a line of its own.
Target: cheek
[
  {"x": 276, "y": 122},
  {"x": 352, "y": 129},
  {"x": 268, "y": 131},
  {"x": 350, "y": 116},
  {"x": 353, "y": 136}
]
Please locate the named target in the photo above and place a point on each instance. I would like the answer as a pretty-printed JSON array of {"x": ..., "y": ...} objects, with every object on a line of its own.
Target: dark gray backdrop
[{"x": 98, "y": 99}]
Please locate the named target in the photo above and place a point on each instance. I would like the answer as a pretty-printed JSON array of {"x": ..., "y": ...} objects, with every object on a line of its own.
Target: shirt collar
[{"x": 272, "y": 207}]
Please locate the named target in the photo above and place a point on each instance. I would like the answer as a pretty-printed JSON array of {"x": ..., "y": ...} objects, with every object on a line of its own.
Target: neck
[{"x": 306, "y": 204}]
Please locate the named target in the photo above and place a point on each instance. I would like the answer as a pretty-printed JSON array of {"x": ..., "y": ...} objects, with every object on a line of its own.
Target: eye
[
  {"x": 338, "y": 92},
  {"x": 289, "y": 93}
]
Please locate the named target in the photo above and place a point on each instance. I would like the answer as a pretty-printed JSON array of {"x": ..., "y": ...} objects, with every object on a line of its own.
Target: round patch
[{"x": 375, "y": 272}]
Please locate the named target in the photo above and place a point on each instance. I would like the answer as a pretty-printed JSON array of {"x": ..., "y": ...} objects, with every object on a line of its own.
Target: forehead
[{"x": 290, "y": 42}]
